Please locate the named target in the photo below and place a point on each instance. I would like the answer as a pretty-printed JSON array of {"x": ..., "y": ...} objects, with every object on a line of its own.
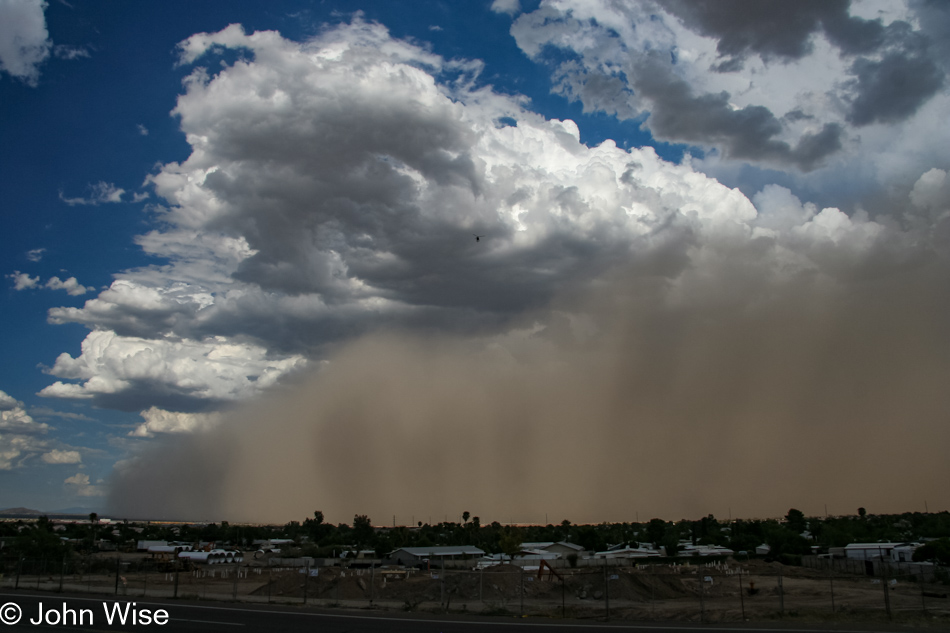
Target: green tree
[
  {"x": 41, "y": 542},
  {"x": 938, "y": 550},
  {"x": 670, "y": 541},
  {"x": 510, "y": 542},
  {"x": 655, "y": 531},
  {"x": 786, "y": 545},
  {"x": 795, "y": 519},
  {"x": 362, "y": 530}
]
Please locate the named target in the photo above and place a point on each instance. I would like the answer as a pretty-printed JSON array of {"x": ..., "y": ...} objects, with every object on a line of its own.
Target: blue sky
[{"x": 200, "y": 215}]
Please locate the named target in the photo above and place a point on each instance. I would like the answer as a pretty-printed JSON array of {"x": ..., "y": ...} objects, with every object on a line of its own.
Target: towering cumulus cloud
[{"x": 628, "y": 334}]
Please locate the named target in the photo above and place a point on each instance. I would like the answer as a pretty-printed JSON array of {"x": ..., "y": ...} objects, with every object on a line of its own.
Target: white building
[
  {"x": 416, "y": 555},
  {"x": 705, "y": 550},
  {"x": 628, "y": 552}
]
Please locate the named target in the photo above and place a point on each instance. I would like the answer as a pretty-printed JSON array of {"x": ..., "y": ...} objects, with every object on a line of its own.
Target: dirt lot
[{"x": 723, "y": 593}]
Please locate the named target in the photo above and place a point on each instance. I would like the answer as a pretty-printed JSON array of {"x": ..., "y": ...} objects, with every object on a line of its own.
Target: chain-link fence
[{"x": 687, "y": 592}]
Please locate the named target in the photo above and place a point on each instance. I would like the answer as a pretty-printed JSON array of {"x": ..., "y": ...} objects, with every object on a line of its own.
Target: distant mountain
[
  {"x": 29, "y": 512},
  {"x": 76, "y": 510}
]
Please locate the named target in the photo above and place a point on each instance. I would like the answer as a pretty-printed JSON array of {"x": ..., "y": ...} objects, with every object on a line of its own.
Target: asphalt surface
[{"x": 65, "y": 612}]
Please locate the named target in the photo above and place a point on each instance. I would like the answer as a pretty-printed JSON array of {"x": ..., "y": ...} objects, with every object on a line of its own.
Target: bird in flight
[{"x": 478, "y": 237}]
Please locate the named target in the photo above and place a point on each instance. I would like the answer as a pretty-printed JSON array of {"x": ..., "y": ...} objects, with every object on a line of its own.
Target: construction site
[{"x": 722, "y": 591}]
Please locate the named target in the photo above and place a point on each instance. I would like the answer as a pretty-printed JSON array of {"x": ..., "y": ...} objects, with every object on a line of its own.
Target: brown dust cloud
[{"x": 727, "y": 388}]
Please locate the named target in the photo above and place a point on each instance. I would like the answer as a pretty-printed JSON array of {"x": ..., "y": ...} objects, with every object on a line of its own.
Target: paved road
[{"x": 62, "y": 612}]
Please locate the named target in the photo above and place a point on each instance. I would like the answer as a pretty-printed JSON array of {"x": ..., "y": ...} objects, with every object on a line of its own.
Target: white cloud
[
  {"x": 23, "y": 281},
  {"x": 36, "y": 254},
  {"x": 112, "y": 367},
  {"x": 8, "y": 403},
  {"x": 99, "y": 193},
  {"x": 46, "y": 412},
  {"x": 161, "y": 421},
  {"x": 142, "y": 129},
  {"x": 510, "y": 7},
  {"x": 20, "y": 436},
  {"x": 932, "y": 190},
  {"x": 71, "y": 286},
  {"x": 80, "y": 485},
  {"x": 79, "y": 479},
  {"x": 63, "y": 51},
  {"x": 24, "y": 41},
  {"x": 57, "y": 456}
]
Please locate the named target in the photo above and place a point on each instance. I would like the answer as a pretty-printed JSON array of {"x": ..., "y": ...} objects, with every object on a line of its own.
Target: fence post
[
  {"x": 653, "y": 591},
  {"x": 177, "y": 570},
  {"x": 781, "y": 595},
  {"x": 741, "y": 597},
  {"x": 372, "y": 583},
  {"x": 606, "y": 590},
  {"x": 481, "y": 574},
  {"x": 270, "y": 580},
  {"x": 306, "y": 581},
  {"x": 521, "y": 568},
  {"x": 237, "y": 575},
  {"x": 831, "y": 581},
  {"x": 62, "y": 573},
  {"x": 563, "y": 597},
  {"x": 702, "y": 594},
  {"x": 117, "y": 571},
  {"x": 887, "y": 594},
  {"x": 19, "y": 567}
]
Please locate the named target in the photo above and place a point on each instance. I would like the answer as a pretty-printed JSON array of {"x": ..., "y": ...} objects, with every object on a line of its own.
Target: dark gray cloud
[
  {"x": 933, "y": 17},
  {"x": 894, "y": 87},
  {"x": 709, "y": 119},
  {"x": 628, "y": 60},
  {"x": 775, "y": 28},
  {"x": 886, "y": 90}
]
